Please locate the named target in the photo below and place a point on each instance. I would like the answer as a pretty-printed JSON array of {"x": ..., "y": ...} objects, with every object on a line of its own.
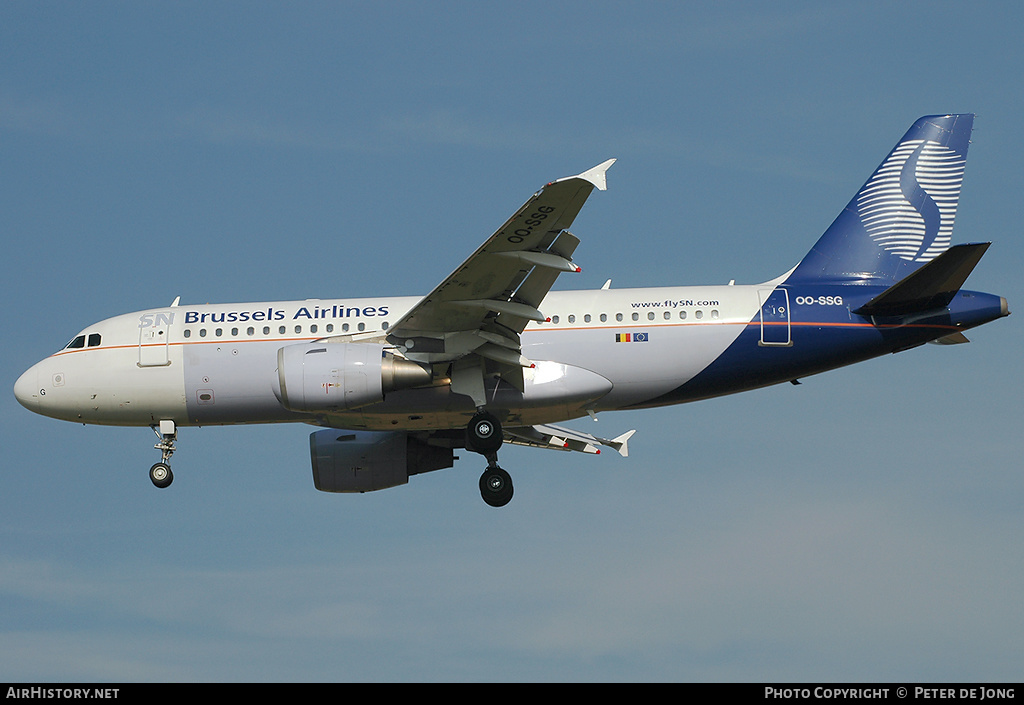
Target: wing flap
[
  {"x": 499, "y": 288},
  {"x": 538, "y": 282}
]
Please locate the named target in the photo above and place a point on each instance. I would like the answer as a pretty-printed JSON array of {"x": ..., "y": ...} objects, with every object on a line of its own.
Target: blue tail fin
[{"x": 903, "y": 216}]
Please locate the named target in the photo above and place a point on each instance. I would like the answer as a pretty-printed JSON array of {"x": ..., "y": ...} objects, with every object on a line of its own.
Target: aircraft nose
[{"x": 26, "y": 389}]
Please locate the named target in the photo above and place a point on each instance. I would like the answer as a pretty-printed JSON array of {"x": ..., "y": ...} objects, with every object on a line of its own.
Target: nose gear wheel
[{"x": 161, "y": 475}]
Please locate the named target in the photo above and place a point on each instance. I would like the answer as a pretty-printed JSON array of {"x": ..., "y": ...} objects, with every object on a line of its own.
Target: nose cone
[{"x": 26, "y": 389}]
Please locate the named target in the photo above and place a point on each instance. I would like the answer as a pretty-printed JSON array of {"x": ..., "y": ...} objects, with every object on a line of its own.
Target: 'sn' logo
[
  {"x": 157, "y": 320},
  {"x": 908, "y": 205}
]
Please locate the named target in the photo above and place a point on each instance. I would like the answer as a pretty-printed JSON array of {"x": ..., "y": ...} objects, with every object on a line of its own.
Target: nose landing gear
[
  {"x": 484, "y": 436},
  {"x": 160, "y": 473}
]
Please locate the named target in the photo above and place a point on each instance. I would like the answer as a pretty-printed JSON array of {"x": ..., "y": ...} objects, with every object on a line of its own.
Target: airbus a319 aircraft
[{"x": 492, "y": 356}]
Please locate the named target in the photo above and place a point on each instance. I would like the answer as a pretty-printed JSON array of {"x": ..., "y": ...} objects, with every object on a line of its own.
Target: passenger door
[
  {"x": 775, "y": 327},
  {"x": 154, "y": 337}
]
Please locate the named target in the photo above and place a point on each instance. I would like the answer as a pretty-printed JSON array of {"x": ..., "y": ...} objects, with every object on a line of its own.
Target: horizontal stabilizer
[
  {"x": 932, "y": 286},
  {"x": 951, "y": 339}
]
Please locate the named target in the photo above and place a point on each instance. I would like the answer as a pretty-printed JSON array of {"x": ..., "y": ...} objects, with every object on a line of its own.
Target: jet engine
[
  {"x": 363, "y": 461},
  {"x": 325, "y": 376}
]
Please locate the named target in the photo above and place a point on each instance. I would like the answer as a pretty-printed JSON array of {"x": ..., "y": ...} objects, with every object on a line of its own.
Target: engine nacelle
[
  {"x": 325, "y": 376},
  {"x": 363, "y": 461}
]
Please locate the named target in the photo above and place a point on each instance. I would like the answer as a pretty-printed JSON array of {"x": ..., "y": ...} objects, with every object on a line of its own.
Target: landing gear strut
[
  {"x": 484, "y": 436},
  {"x": 160, "y": 473}
]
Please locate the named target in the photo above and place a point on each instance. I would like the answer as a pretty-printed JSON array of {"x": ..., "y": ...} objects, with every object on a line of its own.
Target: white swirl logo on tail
[{"x": 908, "y": 205}]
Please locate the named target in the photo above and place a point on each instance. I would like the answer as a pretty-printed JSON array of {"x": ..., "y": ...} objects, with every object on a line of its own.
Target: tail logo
[{"x": 908, "y": 205}]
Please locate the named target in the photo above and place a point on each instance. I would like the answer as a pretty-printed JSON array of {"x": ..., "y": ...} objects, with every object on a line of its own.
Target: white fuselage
[{"x": 216, "y": 364}]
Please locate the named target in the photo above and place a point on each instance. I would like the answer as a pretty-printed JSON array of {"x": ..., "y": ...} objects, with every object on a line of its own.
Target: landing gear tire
[
  {"x": 483, "y": 434},
  {"x": 161, "y": 475},
  {"x": 496, "y": 487}
]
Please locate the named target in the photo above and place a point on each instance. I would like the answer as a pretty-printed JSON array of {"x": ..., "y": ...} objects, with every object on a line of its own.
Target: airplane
[{"x": 397, "y": 384}]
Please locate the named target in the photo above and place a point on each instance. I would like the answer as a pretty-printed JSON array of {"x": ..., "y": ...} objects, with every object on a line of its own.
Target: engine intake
[{"x": 326, "y": 376}]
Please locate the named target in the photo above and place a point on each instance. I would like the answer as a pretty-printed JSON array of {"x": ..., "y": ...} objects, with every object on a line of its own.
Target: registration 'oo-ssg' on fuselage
[{"x": 492, "y": 356}]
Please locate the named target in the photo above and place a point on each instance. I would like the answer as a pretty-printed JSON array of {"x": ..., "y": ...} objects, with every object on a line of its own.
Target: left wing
[
  {"x": 559, "y": 438},
  {"x": 474, "y": 317}
]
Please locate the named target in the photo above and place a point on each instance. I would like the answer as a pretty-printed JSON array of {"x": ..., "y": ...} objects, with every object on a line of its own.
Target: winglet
[
  {"x": 595, "y": 176},
  {"x": 619, "y": 443}
]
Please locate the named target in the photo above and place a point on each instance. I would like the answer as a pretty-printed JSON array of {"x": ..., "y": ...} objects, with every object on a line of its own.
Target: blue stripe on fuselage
[{"x": 824, "y": 335}]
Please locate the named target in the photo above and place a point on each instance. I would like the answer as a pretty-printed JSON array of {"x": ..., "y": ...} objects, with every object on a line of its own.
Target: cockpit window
[{"x": 80, "y": 342}]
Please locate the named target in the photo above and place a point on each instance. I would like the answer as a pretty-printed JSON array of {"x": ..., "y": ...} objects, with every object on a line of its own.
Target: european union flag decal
[{"x": 639, "y": 337}]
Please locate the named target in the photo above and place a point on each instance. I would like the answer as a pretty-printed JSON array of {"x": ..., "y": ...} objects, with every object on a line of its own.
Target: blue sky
[{"x": 865, "y": 525}]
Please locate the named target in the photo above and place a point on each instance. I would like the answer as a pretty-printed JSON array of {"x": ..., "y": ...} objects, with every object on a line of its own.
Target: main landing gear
[
  {"x": 484, "y": 436},
  {"x": 160, "y": 473}
]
